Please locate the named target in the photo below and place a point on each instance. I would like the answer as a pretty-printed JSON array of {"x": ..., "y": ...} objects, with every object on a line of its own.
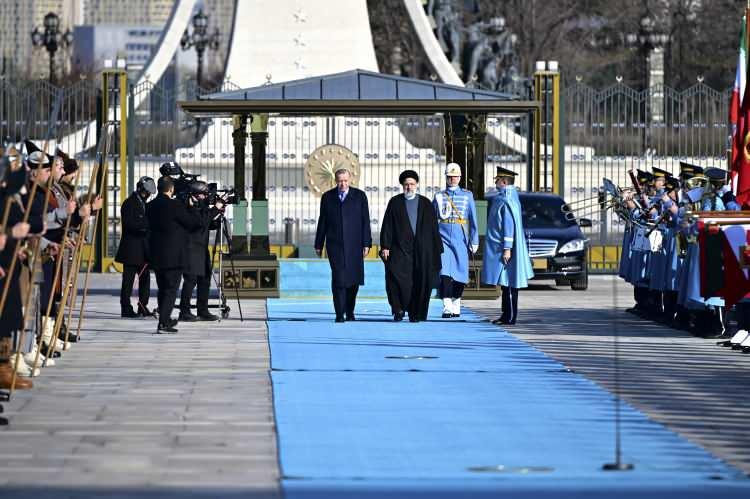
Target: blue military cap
[
  {"x": 716, "y": 174},
  {"x": 504, "y": 172}
]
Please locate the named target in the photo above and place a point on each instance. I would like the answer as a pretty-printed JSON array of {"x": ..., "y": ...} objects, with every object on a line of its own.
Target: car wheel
[{"x": 580, "y": 283}]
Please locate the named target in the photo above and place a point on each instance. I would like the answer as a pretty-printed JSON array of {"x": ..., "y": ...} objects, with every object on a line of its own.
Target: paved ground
[
  {"x": 694, "y": 387},
  {"x": 129, "y": 413}
]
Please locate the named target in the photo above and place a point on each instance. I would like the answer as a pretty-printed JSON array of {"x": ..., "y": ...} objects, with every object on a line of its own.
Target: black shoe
[
  {"x": 745, "y": 349},
  {"x": 45, "y": 349},
  {"x": 172, "y": 322},
  {"x": 500, "y": 320},
  {"x": 148, "y": 314},
  {"x": 447, "y": 315},
  {"x": 187, "y": 317},
  {"x": 350, "y": 317},
  {"x": 71, "y": 338},
  {"x": 413, "y": 319},
  {"x": 207, "y": 316},
  {"x": 165, "y": 329},
  {"x": 398, "y": 317},
  {"x": 455, "y": 315},
  {"x": 340, "y": 318},
  {"x": 129, "y": 314}
]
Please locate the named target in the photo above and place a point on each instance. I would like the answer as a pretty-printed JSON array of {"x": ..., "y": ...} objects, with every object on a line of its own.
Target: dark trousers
[
  {"x": 189, "y": 282},
  {"x": 47, "y": 287},
  {"x": 129, "y": 274},
  {"x": 450, "y": 288},
  {"x": 670, "y": 305},
  {"x": 510, "y": 304},
  {"x": 344, "y": 300},
  {"x": 167, "y": 280},
  {"x": 743, "y": 315}
]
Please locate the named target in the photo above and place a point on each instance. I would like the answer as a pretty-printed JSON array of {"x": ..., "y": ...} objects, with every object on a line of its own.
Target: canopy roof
[{"x": 357, "y": 92}]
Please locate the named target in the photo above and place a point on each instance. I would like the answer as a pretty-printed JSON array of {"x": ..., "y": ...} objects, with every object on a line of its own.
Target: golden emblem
[{"x": 321, "y": 166}]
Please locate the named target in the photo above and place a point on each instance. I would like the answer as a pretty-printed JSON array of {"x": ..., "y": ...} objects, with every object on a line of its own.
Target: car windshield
[{"x": 544, "y": 212}]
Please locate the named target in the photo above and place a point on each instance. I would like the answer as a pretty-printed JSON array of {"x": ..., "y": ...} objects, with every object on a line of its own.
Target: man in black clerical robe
[{"x": 410, "y": 248}]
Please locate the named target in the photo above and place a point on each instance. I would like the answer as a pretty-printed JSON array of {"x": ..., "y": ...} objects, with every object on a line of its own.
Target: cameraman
[
  {"x": 197, "y": 269},
  {"x": 170, "y": 222},
  {"x": 133, "y": 250}
]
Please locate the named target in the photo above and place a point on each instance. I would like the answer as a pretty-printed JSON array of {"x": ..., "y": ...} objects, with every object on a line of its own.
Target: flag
[
  {"x": 721, "y": 269},
  {"x": 739, "y": 118}
]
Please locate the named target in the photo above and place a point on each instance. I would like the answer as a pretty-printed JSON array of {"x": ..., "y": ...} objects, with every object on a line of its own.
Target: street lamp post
[
  {"x": 650, "y": 43},
  {"x": 51, "y": 39},
  {"x": 201, "y": 40}
]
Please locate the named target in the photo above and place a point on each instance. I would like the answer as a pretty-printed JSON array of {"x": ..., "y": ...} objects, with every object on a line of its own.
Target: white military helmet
[{"x": 453, "y": 170}]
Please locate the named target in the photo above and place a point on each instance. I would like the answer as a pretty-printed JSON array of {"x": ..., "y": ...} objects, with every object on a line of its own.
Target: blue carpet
[
  {"x": 312, "y": 278},
  {"x": 353, "y": 422}
]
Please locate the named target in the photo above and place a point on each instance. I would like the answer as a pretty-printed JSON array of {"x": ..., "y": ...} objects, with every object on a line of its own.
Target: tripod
[{"x": 222, "y": 234}]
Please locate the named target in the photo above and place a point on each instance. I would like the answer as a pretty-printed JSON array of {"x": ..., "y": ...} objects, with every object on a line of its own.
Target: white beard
[{"x": 410, "y": 195}]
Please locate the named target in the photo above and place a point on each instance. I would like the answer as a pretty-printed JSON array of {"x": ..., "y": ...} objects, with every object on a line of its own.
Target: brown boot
[
  {"x": 6, "y": 372},
  {"x": 6, "y": 377}
]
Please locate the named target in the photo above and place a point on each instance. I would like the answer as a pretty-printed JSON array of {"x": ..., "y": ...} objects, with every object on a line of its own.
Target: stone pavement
[
  {"x": 689, "y": 384},
  {"x": 128, "y": 413}
]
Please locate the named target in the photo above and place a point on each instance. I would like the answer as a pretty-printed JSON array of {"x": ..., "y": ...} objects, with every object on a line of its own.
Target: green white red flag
[{"x": 739, "y": 118}]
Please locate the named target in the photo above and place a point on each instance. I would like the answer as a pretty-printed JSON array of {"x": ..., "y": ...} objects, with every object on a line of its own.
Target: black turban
[{"x": 408, "y": 174}]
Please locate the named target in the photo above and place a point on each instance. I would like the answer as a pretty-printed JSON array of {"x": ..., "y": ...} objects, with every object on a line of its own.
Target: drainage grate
[
  {"x": 521, "y": 470},
  {"x": 411, "y": 357}
]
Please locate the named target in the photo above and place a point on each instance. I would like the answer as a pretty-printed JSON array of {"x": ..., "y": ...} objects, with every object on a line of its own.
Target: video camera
[
  {"x": 187, "y": 184},
  {"x": 226, "y": 196}
]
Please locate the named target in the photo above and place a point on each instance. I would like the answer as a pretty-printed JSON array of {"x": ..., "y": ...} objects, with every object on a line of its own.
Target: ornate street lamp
[
  {"x": 647, "y": 40},
  {"x": 650, "y": 44},
  {"x": 51, "y": 39},
  {"x": 201, "y": 40}
]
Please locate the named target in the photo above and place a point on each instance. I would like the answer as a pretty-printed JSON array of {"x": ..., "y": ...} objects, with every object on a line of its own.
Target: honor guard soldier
[
  {"x": 506, "y": 257},
  {"x": 457, "y": 222}
]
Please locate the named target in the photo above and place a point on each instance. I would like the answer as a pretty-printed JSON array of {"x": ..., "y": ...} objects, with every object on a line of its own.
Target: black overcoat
[
  {"x": 12, "y": 316},
  {"x": 169, "y": 224},
  {"x": 413, "y": 266},
  {"x": 344, "y": 229},
  {"x": 198, "y": 260},
  {"x": 133, "y": 249}
]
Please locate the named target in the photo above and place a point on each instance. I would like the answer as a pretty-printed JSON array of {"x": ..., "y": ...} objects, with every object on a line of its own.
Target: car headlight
[{"x": 573, "y": 246}]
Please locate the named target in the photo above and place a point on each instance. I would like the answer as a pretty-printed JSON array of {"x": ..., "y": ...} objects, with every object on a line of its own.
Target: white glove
[
  {"x": 724, "y": 190},
  {"x": 474, "y": 248}
]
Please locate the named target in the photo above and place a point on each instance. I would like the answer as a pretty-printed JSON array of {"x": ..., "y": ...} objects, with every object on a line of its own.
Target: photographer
[
  {"x": 133, "y": 250},
  {"x": 169, "y": 223},
  {"x": 197, "y": 270}
]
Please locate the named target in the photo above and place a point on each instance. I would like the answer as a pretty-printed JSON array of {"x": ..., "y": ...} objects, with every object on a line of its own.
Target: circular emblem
[
  {"x": 746, "y": 147},
  {"x": 321, "y": 166}
]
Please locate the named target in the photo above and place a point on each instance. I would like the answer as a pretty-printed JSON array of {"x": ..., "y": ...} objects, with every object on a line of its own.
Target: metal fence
[
  {"x": 605, "y": 132},
  {"x": 609, "y": 131}
]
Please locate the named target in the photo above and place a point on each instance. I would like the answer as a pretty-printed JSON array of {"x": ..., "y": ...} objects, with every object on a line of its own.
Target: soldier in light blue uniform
[
  {"x": 638, "y": 257},
  {"x": 657, "y": 259},
  {"x": 457, "y": 221},
  {"x": 669, "y": 246},
  {"x": 506, "y": 257}
]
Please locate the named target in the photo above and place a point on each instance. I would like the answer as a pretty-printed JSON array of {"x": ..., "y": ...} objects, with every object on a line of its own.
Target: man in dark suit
[
  {"x": 133, "y": 250},
  {"x": 169, "y": 223},
  {"x": 344, "y": 228}
]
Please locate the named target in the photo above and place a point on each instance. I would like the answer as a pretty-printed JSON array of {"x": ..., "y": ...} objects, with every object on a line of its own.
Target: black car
[{"x": 556, "y": 244}]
